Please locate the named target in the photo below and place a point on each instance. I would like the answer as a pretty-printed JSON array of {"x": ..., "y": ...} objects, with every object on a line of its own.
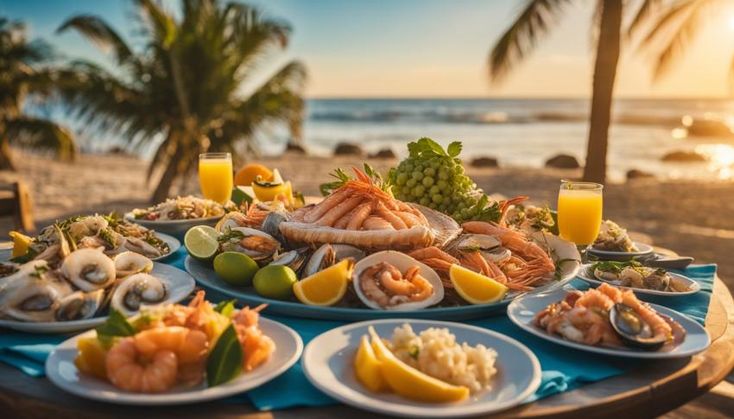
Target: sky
[{"x": 427, "y": 48}]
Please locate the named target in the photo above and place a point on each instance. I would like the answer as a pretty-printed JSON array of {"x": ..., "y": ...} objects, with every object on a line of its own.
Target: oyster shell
[
  {"x": 32, "y": 293},
  {"x": 80, "y": 305},
  {"x": 328, "y": 254},
  {"x": 129, "y": 263},
  {"x": 138, "y": 290},
  {"x": 402, "y": 262},
  {"x": 444, "y": 227},
  {"x": 89, "y": 269}
]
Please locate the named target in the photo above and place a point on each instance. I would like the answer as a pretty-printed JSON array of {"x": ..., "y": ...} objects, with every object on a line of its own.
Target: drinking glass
[
  {"x": 215, "y": 176},
  {"x": 579, "y": 211}
]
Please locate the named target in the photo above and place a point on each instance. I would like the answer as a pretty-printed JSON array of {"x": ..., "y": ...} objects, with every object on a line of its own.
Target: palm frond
[
  {"x": 41, "y": 134},
  {"x": 99, "y": 32},
  {"x": 521, "y": 37},
  {"x": 645, "y": 13},
  {"x": 163, "y": 25}
]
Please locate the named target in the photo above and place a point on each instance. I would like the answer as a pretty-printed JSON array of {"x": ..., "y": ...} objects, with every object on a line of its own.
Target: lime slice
[
  {"x": 235, "y": 268},
  {"x": 201, "y": 242}
]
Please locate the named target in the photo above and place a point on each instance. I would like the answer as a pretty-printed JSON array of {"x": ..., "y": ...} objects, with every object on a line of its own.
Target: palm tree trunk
[
  {"x": 605, "y": 72},
  {"x": 6, "y": 156},
  {"x": 171, "y": 172}
]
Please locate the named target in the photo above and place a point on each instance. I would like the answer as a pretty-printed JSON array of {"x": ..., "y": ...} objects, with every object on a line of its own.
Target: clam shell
[
  {"x": 402, "y": 262},
  {"x": 444, "y": 227}
]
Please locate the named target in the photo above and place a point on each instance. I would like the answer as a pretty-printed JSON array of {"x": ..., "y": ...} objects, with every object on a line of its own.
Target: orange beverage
[
  {"x": 215, "y": 176},
  {"x": 580, "y": 211}
]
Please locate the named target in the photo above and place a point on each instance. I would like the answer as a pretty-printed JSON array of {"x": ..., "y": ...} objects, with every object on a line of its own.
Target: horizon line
[{"x": 519, "y": 97}]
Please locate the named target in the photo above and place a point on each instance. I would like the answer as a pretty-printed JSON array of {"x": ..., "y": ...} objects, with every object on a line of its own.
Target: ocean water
[{"x": 524, "y": 132}]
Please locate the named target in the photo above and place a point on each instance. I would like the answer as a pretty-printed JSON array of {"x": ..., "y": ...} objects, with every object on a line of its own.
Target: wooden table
[{"x": 647, "y": 392}]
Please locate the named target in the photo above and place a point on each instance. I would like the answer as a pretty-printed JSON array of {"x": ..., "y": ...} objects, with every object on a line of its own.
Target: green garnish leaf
[
  {"x": 414, "y": 351},
  {"x": 225, "y": 361},
  {"x": 425, "y": 145},
  {"x": 239, "y": 196},
  {"x": 225, "y": 308},
  {"x": 454, "y": 149},
  {"x": 115, "y": 325}
]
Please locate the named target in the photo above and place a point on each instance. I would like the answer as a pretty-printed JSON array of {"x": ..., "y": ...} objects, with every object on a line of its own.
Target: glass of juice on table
[
  {"x": 215, "y": 176},
  {"x": 579, "y": 211}
]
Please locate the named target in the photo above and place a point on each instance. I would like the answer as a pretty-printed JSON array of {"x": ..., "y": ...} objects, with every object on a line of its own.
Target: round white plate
[
  {"x": 60, "y": 369},
  {"x": 173, "y": 245},
  {"x": 328, "y": 364},
  {"x": 643, "y": 249},
  {"x": 523, "y": 310},
  {"x": 175, "y": 228},
  {"x": 693, "y": 286},
  {"x": 179, "y": 283}
]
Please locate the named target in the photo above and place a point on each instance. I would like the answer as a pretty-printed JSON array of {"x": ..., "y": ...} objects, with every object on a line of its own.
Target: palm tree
[
  {"x": 667, "y": 33},
  {"x": 535, "y": 21},
  {"x": 22, "y": 74},
  {"x": 189, "y": 84}
]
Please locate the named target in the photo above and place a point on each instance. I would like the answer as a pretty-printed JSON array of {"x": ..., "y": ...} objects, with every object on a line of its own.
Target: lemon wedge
[
  {"x": 21, "y": 243},
  {"x": 411, "y": 383},
  {"x": 368, "y": 367},
  {"x": 476, "y": 288},
  {"x": 327, "y": 287}
]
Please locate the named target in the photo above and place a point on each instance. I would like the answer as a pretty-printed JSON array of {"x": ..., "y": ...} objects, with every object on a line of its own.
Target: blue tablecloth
[{"x": 564, "y": 369}]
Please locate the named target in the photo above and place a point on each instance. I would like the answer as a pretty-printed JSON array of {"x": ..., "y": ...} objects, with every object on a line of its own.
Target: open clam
[
  {"x": 129, "y": 263},
  {"x": 79, "y": 305},
  {"x": 138, "y": 290},
  {"x": 260, "y": 246},
  {"x": 391, "y": 280},
  {"x": 89, "y": 269},
  {"x": 329, "y": 254}
]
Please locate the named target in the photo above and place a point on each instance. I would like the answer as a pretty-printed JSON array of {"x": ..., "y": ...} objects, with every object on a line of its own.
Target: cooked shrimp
[
  {"x": 594, "y": 299},
  {"x": 614, "y": 293},
  {"x": 432, "y": 252},
  {"x": 376, "y": 223},
  {"x": 339, "y": 210},
  {"x": 325, "y": 206},
  {"x": 360, "y": 214},
  {"x": 188, "y": 345},
  {"x": 256, "y": 347},
  {"x": 410, "y": 219},
  {"x": 124, "y": 369},
  {"x": 390, "y": 216},
  {"x": 506, "y": 204}
]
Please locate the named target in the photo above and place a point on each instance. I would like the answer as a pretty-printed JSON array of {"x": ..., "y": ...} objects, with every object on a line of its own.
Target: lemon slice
[
  {"x": 368, "y": 368},
  {"x": 476, "y": 288},
  {"x": 21, "y": 243},
  {"x": 327, "y": 287},
  {"x": 411, "y": 383}
]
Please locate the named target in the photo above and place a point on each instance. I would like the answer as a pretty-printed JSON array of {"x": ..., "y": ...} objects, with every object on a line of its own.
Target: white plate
[
  {"x": 328, "y": 359},
  {"x": 523, "y": 310},
  {"x": 175, "y": 228},
  {"x": 60, "y": 369},
  {"x": 644, "y": 249},
  {"x": 693, "y": 286},
  {"x": 173, "y": 245},
  {"x": 179, "y": 283}
]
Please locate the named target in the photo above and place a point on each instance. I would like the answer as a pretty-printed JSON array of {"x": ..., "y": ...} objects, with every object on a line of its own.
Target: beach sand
[{"x": 692, "y": 218}]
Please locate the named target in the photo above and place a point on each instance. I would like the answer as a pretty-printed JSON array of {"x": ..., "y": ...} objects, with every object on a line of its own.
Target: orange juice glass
[
  {"x": 580, "y": 211},
  {"x": 215, "y": 176}
]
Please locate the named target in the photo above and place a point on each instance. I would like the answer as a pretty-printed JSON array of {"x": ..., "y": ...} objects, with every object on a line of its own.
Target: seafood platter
[
  {"x": 175, "y": 216},
  {"x": 75, "y": 271},
  {"x": 613, "y": 243},
  {"x": 175, "y": 354},
  {"x": 362, "y": 253},
  {"x": 638, "y": 277}
]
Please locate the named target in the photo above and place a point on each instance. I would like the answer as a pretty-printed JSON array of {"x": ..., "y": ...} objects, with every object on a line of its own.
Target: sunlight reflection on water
[{"x": 721, "y": 159}]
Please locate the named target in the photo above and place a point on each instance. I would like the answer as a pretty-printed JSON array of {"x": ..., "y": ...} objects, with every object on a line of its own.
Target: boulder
[
  {"x": 638, "y": 174},
  {"x": 385, "y": 153},
  {"x": 348, "y": 149},
  {"x": 708, "y": 128},
  {"x": 295, "y": 148},
  {"x": 562, "y": 161},
  {"x": 679, "y": 156},
  {"x": 485, "y": 161}
]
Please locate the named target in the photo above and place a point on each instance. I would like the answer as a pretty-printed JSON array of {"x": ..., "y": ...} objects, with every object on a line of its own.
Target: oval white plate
[
  {"x": 173, "y": 245},
  {"x": 179, "y": 283},
  {"x": 175, "y": 228},
  {"x": 328, "y": 359},
  {"x": 693, "y": 286},
  {"x": 523, "y": 310},
  {"x": 644, "y": 249},
  {"x": 60, "y": 369}
]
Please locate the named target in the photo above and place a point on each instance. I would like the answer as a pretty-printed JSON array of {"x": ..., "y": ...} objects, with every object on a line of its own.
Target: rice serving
[{"x": 435, "y": 352}]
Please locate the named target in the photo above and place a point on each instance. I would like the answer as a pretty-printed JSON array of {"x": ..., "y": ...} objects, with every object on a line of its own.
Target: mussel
[
  {"x": 258, "y": 245},
  {"x": 633, "y": 330},
  {"x": 294, "y": 259}
]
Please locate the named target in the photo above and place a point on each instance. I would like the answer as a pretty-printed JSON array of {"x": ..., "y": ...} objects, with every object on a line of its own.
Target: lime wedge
[{"x": 201, "y": 242}]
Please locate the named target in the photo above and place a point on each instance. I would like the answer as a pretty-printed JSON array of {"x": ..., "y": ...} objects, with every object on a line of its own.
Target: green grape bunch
[{"x": 435, "y": 178}]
